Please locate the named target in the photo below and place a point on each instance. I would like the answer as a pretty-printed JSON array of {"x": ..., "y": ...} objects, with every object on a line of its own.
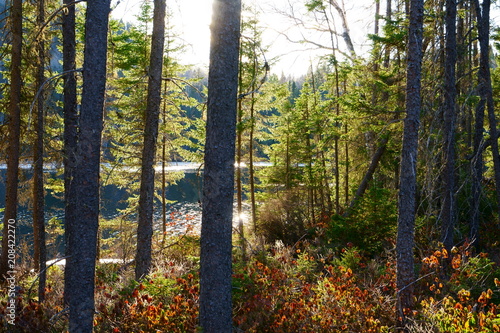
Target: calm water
[{"x": 184, "y": 213}]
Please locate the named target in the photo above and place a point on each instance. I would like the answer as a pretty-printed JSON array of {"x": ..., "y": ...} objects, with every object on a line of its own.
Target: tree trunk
[
  {"x": 346, "y": 35},
  {"x": 239, "y": 153},
  {"x": 40, "y": 254},
  {"x": 449, "y": 213},
  {"x": 146, "y": 200},
  {"x": 83, "y": 241},
  {"x": 251, "y": 171},
  {"x": 14, "y": 126},
  {"x": 163, "y": 170},
  {"x": 70, "y": 124},
  {"x": 218, "y": 180},
  {"x": 408, "y": 180},
  {"x": 484, "y": 84},
  {"x": 369, "y": 175}
]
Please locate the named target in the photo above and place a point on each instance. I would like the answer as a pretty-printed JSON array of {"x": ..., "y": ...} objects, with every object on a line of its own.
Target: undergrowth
[{"x": 300, "y": 288}]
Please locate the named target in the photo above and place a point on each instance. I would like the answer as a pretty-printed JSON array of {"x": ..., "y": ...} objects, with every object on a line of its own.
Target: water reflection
[{"x": 184, "y": 215}]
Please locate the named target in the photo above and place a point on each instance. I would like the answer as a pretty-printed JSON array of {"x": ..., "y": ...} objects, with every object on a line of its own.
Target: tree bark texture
[
  {"x": 14, "y": 127},
  {"x": 83, "y": 239},
  {"x": 449, "y": 213},
  {"x": 407, "y": 192},
  {"x": 40, "y": 253},
  {"x": 70, "y": 122},
  {"x": 484, "y": 81},
  {"x": 485, "y": 91},
  {"x": 218, "y": 178},
  {"x": 146, "y": 199}
]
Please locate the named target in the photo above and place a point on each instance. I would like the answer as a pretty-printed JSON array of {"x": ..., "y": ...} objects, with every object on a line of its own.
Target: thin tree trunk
[
  {"x": 408, "y": 175},
  {"x": 70, "y": 125},
  {"x": 14, "y": 126},
  {"x": 388, "y": 17},
  {"x": 83, "y": 241},
  {"x": 336, "y": 142},
  {"x": 40, "y": 253},
  {"x": 346, "y": 161},
  {"x": 251, "y": 164},
  {"x": 239, "y": 134},
  {"x": 448, "y": 215},
  {"x": 309, "y": 157},
  {"x": 251, "y": 170},
  {"x": 487, "y": 90},
  {"x": 477, "y": 161},
  {"x": 346, "y": 176},
  {"x": 146, "y": 200},
  {"x": 368, "y": 175},
  {"x": 346, "y": 35},
  {"x": 218, "y": 180},
  {"x": 163, "y": 171}
]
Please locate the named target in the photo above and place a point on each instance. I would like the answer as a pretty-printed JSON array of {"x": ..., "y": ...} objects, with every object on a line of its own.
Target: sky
[{"x": 192, "y": 22}]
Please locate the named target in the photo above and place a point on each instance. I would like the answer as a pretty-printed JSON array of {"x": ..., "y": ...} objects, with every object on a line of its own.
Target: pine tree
[{"x": 146, "y": 200}]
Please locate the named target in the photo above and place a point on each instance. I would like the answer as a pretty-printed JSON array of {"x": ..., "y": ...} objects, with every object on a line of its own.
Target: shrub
[
  {"x": 371, "y": 226},
  {"x": 284, "y": 218}
]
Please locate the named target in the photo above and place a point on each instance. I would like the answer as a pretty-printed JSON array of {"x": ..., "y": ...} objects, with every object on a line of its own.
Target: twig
[
  {"x": 43, "y": 86},
  {"x": 410, "y": 284},
  {"x": 53, "y": 15},
  {"x": 42, "y": 271}
]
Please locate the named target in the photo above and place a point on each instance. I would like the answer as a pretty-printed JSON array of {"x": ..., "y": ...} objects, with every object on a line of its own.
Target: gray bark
[
  {"x": 486, "y": 94},
  {"x": 477, "y": 163},
  {"x": 70, "y": 122},
  {"x": 449, "y": 213},
  {"x": 14, "y": 127},
  {"x": 83, "y": 241},
  {"x": 146, "y": 200},
  {"x": 408, "y": 180},
  {"x": 218, "y": 178},
  {"x": 40, "y": 253},
  {"x": 346, "y": 35}
]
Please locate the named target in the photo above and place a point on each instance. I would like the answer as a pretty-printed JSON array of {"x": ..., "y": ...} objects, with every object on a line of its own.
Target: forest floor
[{"x": 303, "y": 287}]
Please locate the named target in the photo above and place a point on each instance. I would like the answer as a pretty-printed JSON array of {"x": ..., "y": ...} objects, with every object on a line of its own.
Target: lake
[{"x": 186, "y": 210}]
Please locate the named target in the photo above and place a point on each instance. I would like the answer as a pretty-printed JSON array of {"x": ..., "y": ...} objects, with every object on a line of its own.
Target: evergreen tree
[{"x": 146, "y": 200}]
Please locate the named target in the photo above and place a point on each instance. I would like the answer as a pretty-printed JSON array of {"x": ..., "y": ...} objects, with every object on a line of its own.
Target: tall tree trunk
[
  {"x": 146, "y": 199},
  {"x": 83, "y": 241},
  {"x": 485, "y": 86},
  {"x": 251, "y": 172},
  {"x": 448, "y": 215},
  {"x": 218, "y": 179},
  {"x": 70, "y": 124},
  {"x": 484, "y": 90},
  {"x": 163, "y": 169},
  {"x": 40, "y": 254},
  {"x": 239, "y": 153},
  {"x": 14, "y": 126},
  {"x": 408, "y": 175}
]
